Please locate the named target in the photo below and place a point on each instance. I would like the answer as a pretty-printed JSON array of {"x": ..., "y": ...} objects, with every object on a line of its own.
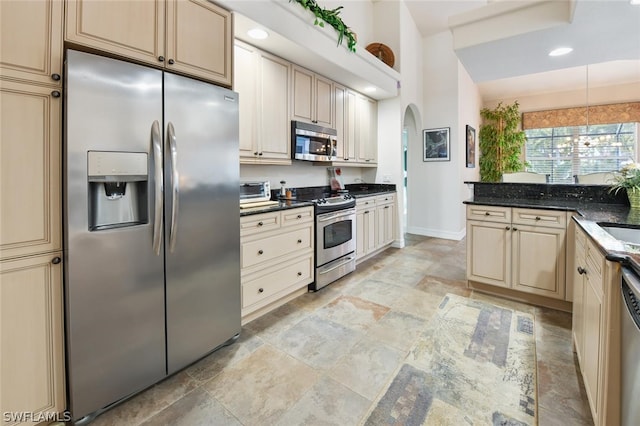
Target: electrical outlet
[{"x": 386, "y": 178}]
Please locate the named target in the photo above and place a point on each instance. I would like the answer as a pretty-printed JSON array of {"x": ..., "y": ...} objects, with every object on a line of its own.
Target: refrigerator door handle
[
  {"x": 175, "y": 186},
  {"x": 159, "y": 177}
]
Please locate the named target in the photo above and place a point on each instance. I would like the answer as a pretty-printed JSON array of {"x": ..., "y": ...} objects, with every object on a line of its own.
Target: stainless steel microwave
[
  {"x": 311, "y": 142},
  {"x": 254, "y": 191}
]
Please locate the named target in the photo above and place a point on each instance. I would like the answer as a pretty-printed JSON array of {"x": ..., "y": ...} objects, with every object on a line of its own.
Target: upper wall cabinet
[
  {"x": 356, "y": 121},
  {"x": 31, "y": 33},
  {"x": 312, "y": 98},
  {"x": 262, "y": 80},
  {"x": 193, "y": 37}
]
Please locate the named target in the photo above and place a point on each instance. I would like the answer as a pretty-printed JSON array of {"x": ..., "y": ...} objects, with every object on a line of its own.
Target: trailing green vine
[
  {"x": 330, "y": 17},
  {"x": 501, "y": 142}
]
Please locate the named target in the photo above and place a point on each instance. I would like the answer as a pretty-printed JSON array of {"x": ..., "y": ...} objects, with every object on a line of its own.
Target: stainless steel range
[{"x": 335, "y": 252}]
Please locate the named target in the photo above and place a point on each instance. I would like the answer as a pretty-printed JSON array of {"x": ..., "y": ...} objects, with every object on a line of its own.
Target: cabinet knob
[
  {"x": 161, "y": 58},
  {"x": 171, "y": 62},
  {"x": 366, "y": 212},
  {"x": 537, "y": 217},
  {"x": 255, "y": 153},
  {"x": 56, "y": 260},
  {"x": 299, "y": 216},
  {"x": 55, "y": 94},
  {"x": 299, "y": 241},
  {"x": 259, "y": 154},
  {"x": 486, "y": 213},
  {"x": 386, "y": 207},
  {"x": 515, "y": 229},
  {"x": 260, "y": 290},
  {"x": 581, "y": 270},
  {"x": 260, "y": 252},
  {"x": 345, "y": 159},
  {"x": 55, "y": 77},
  {"x": 507, "y": 228},
  {"x": 260, "y": 223},
  {"x": 299, "y": 274}
]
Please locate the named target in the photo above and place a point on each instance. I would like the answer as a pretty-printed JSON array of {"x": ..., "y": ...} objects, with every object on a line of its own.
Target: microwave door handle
[
  {"x": 175, "y": 187},
  {"x": 159, "y": 187}
]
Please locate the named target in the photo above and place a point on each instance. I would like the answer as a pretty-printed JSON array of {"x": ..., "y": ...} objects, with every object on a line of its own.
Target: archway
[{"x": 411, "y": 137}]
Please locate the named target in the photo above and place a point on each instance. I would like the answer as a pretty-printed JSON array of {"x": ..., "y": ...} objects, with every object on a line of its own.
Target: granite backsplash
[{"x": 548, "y": 192}]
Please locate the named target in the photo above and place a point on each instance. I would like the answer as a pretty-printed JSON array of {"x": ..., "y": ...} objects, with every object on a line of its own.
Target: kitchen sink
[{"x": 628, "y": 235}]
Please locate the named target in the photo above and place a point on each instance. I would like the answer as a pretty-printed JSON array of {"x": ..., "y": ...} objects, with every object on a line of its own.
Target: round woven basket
[{"x": 382, "y": 52}]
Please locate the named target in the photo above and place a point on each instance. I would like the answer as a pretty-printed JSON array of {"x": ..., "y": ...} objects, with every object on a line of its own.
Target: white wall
[
  {"x": 628, "y": 92},
  {"x": 469, "y": 105},
  {"x": 433, "y": 187}
]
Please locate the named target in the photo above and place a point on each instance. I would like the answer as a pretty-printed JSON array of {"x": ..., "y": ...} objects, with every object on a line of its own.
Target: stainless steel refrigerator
[{"x": 152, "y": 257}]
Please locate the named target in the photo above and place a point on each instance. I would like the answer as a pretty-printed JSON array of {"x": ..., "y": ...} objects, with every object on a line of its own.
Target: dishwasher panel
[{"x": 630, "y": 370}]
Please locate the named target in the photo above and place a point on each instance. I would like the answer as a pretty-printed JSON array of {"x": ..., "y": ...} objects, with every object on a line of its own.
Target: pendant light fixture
[{"x": 585, "y": 139}]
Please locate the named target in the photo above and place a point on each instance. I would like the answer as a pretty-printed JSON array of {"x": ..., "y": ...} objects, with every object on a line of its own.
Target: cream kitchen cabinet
[
  {"x": 596, "y": 328},
  {"x": 31, "y": 41},
  {"x": 520, "y": 249},
  {"x": 345, "y": 110},
  {"x": 31, "y": 339},
  {"x": 192, "y": 37},
  {"x": 366, "y": 130},
  {"x": 312, "y": 97},
  {"x": 262, "y": 80},
  {"x": 375, "y": 224},
  {"x": 30, "y": 168},
  {"x": 356, "y": 123},
  {"x": 276, "y": 257}
]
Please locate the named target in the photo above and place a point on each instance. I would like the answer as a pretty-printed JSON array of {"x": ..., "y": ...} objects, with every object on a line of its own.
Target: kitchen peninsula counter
[{"x": 593, "y": 204}]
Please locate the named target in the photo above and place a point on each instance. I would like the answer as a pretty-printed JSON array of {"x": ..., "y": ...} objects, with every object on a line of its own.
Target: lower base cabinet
[
  {"x": 519, "y": 249},
  {"x": 596, "y": 328},
  {"x": 375, "y": 224},
  {"x": 32, "y": 386},
  {"x": 276, "y": 256}
]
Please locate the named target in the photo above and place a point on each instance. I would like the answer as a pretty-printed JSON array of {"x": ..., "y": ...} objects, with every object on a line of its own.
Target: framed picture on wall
[
  {"x": 471, "y": 146},
  {"x": 436, "y": 144}
]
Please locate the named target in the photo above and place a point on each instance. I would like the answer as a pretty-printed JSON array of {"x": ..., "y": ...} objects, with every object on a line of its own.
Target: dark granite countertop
[{"x": 282, "y": 205}]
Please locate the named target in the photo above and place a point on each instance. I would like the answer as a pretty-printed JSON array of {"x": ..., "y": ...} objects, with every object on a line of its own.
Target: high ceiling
[{"x": 604, "y": 32}]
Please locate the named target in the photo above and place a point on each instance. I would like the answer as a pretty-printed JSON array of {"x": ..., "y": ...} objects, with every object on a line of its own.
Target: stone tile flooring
[{"x": 325, "y": 357}]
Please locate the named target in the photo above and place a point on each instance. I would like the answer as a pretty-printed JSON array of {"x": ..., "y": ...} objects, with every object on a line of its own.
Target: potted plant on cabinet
[
  {"x": 501, "y": 142},
  {"x": 628, "y": 179}
]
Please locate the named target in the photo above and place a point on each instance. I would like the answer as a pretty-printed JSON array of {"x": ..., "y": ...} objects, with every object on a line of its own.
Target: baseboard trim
[
  {"x": 437, "y": 233},
  {"x": 519, "y": 296}
]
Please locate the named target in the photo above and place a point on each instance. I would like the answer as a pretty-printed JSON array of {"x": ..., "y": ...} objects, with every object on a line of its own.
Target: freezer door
[
  {"x": 202, "y": 225},
  {"x": 114, "y": 282}
]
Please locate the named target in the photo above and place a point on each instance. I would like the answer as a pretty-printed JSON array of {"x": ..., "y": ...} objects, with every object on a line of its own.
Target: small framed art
[
  {"x": 436, "y": 144},
  {"x": 471, "y": 147}
]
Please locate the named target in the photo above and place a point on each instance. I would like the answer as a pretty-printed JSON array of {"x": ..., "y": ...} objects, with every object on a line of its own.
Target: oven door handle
[
  {"x": 346, "y": 260},
  {"x": 330, "y": 216}
]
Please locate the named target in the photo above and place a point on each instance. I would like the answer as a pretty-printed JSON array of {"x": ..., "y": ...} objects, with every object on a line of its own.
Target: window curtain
[{"x": 628, "y": 112}]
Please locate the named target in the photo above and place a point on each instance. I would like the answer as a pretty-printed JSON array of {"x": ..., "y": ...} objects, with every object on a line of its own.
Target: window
[{"x": 562, "y": 152}]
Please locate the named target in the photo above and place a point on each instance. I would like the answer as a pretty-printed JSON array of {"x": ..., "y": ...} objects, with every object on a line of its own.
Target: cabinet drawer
[
  {"x": 548, "y": 218},
  {"x": 297, "y": 216},
  {"x": 489, "y": 213},
  {"x": 385, "y": 199},
  {"x": 259, "y": 223},
  {"x": 264, "y": 249},
  {"x": 366, "y": 202},
  {"x": 270, "y": 284}
]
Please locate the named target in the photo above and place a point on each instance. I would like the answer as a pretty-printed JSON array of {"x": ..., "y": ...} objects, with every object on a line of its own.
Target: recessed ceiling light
[
  {"x": 635, "y": 2},
  {"x": 560, "y": 51},
  {"x": 370, "y": 89},
  {"x": 258, "y": 33}
]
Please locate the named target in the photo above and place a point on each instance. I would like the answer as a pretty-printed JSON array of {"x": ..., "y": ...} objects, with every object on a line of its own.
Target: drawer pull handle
[
  {"x": 537, "y": 217},
  {"x": 507, "y": 228},
  {"x": 581, "y": 270},
  {"x": 299, "y": 274},
  {"x": 299, "y": 241},
  {"x": 260, "y": 290},
  {"x": 299, "y": 216},
  {"x": 56, "y": 260},
  {"x": 260, "y": 252},
  {"x": 260, "y": 223}
]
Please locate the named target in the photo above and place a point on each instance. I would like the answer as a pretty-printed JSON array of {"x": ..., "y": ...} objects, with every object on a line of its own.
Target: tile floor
[{"x": 325, "y": 357}]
